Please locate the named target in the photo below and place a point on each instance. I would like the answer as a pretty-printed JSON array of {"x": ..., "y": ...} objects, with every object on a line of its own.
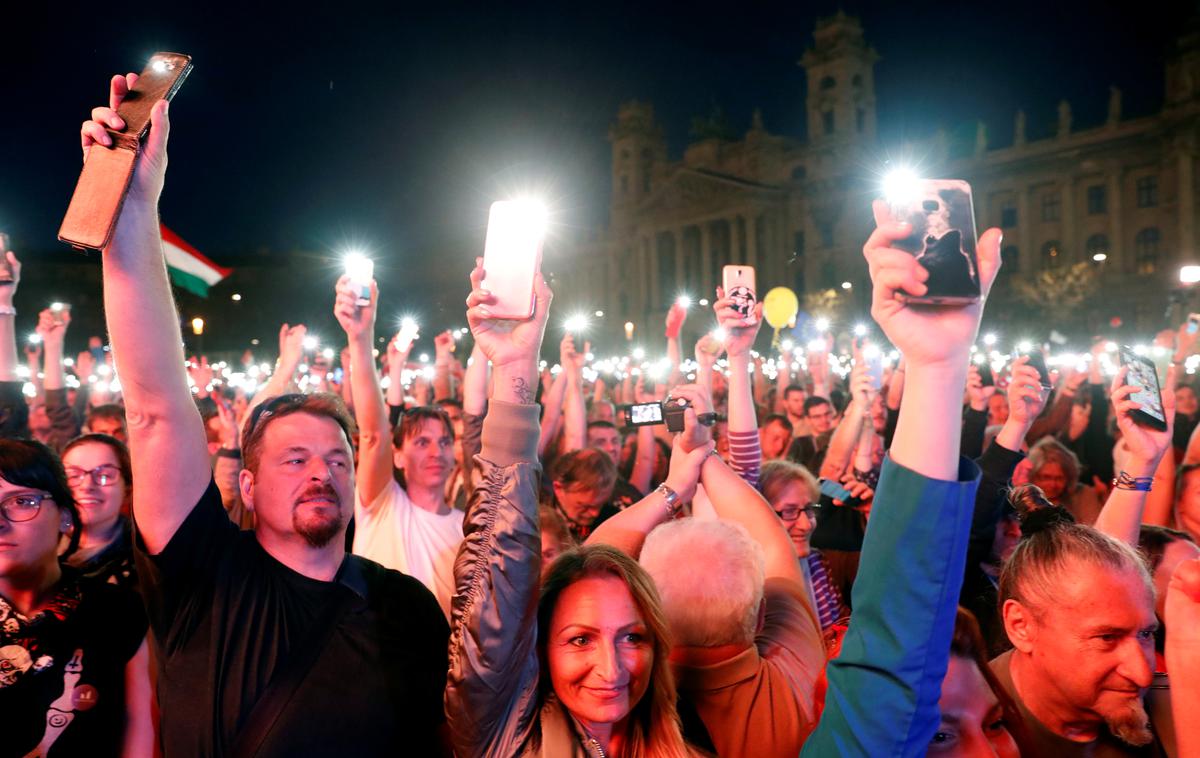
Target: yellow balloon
[{"x": 780, "y": 306}]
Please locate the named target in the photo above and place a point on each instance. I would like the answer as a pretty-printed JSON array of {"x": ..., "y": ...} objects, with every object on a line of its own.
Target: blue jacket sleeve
[{"x": 883, "y": 689}]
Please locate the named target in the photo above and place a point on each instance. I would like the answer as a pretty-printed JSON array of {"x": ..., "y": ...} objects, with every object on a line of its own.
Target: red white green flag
[{"x": 189, "y": 268}]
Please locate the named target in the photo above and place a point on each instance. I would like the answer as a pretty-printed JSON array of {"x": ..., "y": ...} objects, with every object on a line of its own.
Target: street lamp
[{"x": 197, "y": 326}]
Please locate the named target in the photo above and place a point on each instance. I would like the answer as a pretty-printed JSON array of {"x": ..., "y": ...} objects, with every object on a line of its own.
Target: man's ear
[
  {"x": 246, "y": 487},
  {"x": 397, "y": 458},
  {"x": 1020, "y": 625}
]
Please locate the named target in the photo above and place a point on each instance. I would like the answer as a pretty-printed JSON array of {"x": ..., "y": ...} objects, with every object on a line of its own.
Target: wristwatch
[{"x": 671, "y": 496}]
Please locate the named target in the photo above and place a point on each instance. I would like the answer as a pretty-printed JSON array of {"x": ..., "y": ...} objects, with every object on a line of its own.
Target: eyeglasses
[
  {"x": 102, "y": 476},
  {"x": 792, "y": 512},
  {"x": 24, "y": 506},
  {"x": 272, "y": 406}
]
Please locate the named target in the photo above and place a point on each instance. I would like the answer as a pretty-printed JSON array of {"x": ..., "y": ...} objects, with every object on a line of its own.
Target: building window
[
  {"x": 860, "y": 118},
  {"x": 1010, "y": 259},
  {"x": 1051, "y": 256},
  {"x": 1097, "y": 244},
  {"x": 1008, "y": 215},
  {"x": 1147, "y": 192},
  {"x": 1097, "y": 199},
  {"x": 828, "y": 83},
  {"x": 827, "y": 122},
  {"x": 1051, "y": 206},
  {"x": 1145, "y": 246}
]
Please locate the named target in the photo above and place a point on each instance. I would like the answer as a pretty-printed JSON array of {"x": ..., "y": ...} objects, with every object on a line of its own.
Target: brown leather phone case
[{"x": 102, "y": 184}]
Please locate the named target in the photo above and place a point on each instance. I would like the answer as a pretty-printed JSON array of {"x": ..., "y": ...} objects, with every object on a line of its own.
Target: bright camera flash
[
  {"x": 788, "y": 345},
  {"x": 327, "y": 353},
  {"x": 35, "y": 338},
  {"x": 683, "y": 301},
  {"x": 56, "y": 307},
  {"x": 360, "y": 269},
  {"x": 718, "y": 334},
  {"x": 1024, "y": 346},
  {"x": 989, "y": 339},
  {"x": 860, "y": 330},
  {"x": 901, "y": 186},
  {"x": 576, "y": 323},
  {"x": 638, "y": 353}
]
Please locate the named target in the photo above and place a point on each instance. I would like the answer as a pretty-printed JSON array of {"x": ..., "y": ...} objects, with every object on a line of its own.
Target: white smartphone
[
  {"x": 738, "y": 283},
  {"x": 512, "y": 256}
]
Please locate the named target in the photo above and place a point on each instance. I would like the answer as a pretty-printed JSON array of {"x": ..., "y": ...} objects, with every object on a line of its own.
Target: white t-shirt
[{"x": 397, "y": 534}]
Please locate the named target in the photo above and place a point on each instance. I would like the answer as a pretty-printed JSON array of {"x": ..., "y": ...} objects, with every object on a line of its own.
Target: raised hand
[
  {"x": 977, "y": 394},
  {"x": 9, "y": 289},
  {"x": 291, "y": 344},
  {"x": 740, "y": 332},
  {"x": 683, "y": 472},
  {"x": 53, "y": 329},
  {"x": 356, "y": 320},
  {"x": 230, "y": 434},
  {"x": 201, "y": 373},
  {"x": 676, "y": 315},
  {"x": 925, "y": 335},
  {"x": 147, "y": 182},
  {"x": 1026, "y": 396},
  {"x": 571, "y": 359},
  {"x": 694, "y": 433},
  {"x": 443, "y": 346},
  {"x": 511, "y": 346},
  {"x": 1146, "y": 445}
]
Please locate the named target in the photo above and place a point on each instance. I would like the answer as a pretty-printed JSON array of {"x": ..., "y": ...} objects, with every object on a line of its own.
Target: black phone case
[
  {"x": 1139, "y": 370},
  {"x": 100, "y": 192},
  {"x": 943, "y": 241}
]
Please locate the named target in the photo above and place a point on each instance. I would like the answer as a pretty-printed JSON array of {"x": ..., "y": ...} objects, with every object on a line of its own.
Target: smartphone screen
[
  {"x": 512, "y": 256},
  {"x": 874, "y": 362},
  {"x": 834, "y": 490},
  {"x": 943, "y": 240},
  {"x": 1142, "y": 374},
  {"x": 738, "y": 283}
]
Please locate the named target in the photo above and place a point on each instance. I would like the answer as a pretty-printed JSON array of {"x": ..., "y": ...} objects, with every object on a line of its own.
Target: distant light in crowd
[
  {"x": 56, "y": 307},
  {"x": 1100, "y": 257},
  {"x": 35, "y": 338},
  {"x": 197, "y": 326},
  {"x": 704, "y": 302},
  {"x": 576, "y": 323},
  {"x": 310, "y": 343},
  {"x": 684, "y": 301},
  {"x": 638, "y": 353},
  {"x": 1024, "y": 346},
  {"x": 901, "y": 185},
  {"x": 235, "y": 297},
  {"x": 787, "y": 345},
  {"x": 1189, "y": 274},
  {"x": 847, "y": 285},
  {"x": 328, "y": 353},
  {"x": 860, "y": 330},
  {"x": 424, "y": 358},
  {"x": 822, "y": 324},
  {"x": 719, "y": 334},
  {"x": 628, "y": 330},
  {"x": 68, "y": 362},
  {"x": 816, "y": 345},
  {"x": 254, "y": 341},
  {"x": 989, "y": 339}
]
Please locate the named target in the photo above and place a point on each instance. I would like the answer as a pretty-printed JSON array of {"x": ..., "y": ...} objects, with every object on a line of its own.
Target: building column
[
  {"x": 652, "y": 280},
  {"x": 706, "y": 284},
  {"x": 1068, "y": 221},
  {"x": 1028, "y": 255},
  {"x": 751, "y": 239},
  {"x": 1187, "y": 206},
  {"x": 679, "y": 272},
  {"x": 1118, "y": 247}
]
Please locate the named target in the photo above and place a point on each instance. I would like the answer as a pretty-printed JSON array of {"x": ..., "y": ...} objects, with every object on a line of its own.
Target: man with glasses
[
  {"x": 271, "y": 642},
  {"x": 809, "y": 450}
]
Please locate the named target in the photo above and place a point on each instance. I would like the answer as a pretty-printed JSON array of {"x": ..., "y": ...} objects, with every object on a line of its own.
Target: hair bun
[{"x": 1043, "y": 519}]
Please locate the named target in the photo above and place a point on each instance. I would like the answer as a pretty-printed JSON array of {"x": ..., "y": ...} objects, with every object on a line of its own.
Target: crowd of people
[{"x": 487, "y": 559}]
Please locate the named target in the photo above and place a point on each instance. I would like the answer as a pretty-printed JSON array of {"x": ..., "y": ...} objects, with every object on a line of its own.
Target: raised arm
[
  {"x": 915, "y": 546},
  {"x": 844, "y": 441},
  {"x": 1121, "y": 516},
  {"x": 552, "y": 410},
  {"x": 492, "y": 686},
  {"x": 291, "y": 353},
  {"x": 1182, "y": 614},
  {"x": 745, "y": 448},
  {"x": 443, "y": 381},
  {"x": 574, "y": 407},
  {"x": 166, "y": 436},
  {"x": 374, "y": 472},
  {"x": 676, "y": 315}
]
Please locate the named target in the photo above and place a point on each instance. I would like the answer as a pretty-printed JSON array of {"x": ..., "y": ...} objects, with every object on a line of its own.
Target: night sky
[{"x": 311, "y": 129}]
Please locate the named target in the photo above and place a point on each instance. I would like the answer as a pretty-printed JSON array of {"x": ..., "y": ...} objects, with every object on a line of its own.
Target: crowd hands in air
[{"x": 997, "y": 570}]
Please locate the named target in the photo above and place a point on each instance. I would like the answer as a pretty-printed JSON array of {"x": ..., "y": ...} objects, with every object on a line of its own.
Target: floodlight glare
[{"x": 901, "y": 186}]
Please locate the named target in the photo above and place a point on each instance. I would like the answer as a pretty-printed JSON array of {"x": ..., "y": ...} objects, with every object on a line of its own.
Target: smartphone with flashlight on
[
  {"x": 943, "y": 237},
  {"x": 59, "y": 312},
  {"x": 512, "y": 256},
  {"x": 361, "y": 271},
  {"x": 738, "y": 283},
  {"x": 1142, "y": 374}
]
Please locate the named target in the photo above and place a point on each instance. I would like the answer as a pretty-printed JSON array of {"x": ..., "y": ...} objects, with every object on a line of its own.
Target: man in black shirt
[{"x": 276, "y": 642}]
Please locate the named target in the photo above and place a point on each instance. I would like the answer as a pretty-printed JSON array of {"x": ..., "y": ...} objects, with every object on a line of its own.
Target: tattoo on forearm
[{"x": 523, "y": 390}]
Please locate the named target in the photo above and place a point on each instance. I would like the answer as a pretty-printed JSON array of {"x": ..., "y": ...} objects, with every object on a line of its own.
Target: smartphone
[
  {"x": 643, "y": 414},
  {"x": 512, "y": 256},
  {"x": 738, "y": 283},
  {"x": 835, "y": 491},
  {"x": 1142, "y": 374},
  {"x": 6, "y": 271},
  {"x": 1038, "y": 361},
  {"x": 986, "y": 377},
  {"x": 100, "y": 192},
  {"x": 942, "y": 239},
  {"x": 1193, "y": 323},
  {"x": 874, "y": 362},
  {"x": 57, "y": 311}
]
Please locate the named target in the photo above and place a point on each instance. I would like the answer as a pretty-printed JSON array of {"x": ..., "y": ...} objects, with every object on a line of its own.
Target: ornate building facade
[{"x": 799, "y": 211}]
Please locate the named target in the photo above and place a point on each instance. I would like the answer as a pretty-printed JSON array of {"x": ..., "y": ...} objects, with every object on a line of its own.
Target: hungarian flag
[{"x": 187, "y": 267}]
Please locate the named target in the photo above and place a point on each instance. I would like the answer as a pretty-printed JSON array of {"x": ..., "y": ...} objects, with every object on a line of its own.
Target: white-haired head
[{"x": 709, "y": 575}]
